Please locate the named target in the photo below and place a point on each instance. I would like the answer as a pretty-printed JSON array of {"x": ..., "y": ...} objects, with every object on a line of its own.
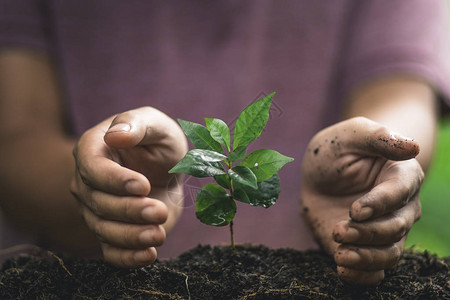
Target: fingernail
[
  {"x": 351, "y": 235},
  {"x": 398, "y": 136},
  {"x": 148, "y": 213},
  {"x": 365, "y": 213},
  {"x": 134, "y": 187},
  {"x": 141, "y": 256},
  {"x": 353, "y": 256},
  {"x": 119, "y": 127},
  {"x": 147, "y": 237}
]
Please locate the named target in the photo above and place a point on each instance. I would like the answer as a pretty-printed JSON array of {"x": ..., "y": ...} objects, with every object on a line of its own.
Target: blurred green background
[{"x": 432, "y": 231}]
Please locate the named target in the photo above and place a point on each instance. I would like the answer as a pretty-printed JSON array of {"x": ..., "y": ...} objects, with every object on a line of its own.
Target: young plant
[{"x": 251, "y": 179}]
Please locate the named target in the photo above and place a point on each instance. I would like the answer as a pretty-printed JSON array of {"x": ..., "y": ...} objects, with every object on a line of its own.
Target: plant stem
[
  {"x": 232, "y": 237},
  {"x": 231, "y": 194},
  {"x": 228, "y": 163}
]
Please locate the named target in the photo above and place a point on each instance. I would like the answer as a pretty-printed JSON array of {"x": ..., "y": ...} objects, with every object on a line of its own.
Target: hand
[
  {"x": 122, "y": 183},
  {"x": 360, "y": 196}
]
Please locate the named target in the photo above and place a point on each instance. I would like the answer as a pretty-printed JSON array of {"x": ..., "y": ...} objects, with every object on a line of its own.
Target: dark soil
[{"x": 217, "y": 273}]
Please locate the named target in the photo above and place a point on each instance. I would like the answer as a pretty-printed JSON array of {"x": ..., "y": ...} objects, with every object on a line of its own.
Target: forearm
[
  {"x": 35, "y": 155},
  {"x": 36, "y": 171},
  {"x": 404, "y": 105}
]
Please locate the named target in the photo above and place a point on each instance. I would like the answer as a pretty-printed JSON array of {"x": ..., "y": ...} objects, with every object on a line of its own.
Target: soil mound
[{"x": 217, "y": 273}]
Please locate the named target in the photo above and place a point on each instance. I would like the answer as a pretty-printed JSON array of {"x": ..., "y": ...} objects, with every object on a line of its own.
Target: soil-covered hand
[
  {"x": 122, "y": 183},
  {"x": 360, "y": 196}
]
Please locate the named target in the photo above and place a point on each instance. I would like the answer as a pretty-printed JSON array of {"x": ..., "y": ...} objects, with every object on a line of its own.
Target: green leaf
[
  {"x": 207, "y": 155},
  {"x": 219, "y": 131},
  {"x": 238, "y": 153},
  {"x": 200, "y": 163},
  {"x": 252, "y": 121},
  {"x": 214, "y": 206},
  {"x": 265, "y": 163},
  {"x": 223, "y": 181},
  {"x": 265, "y": 195},
  {"x": 243, "y": 175},
  {"x": 199, "y": 136},
  {"x": 240, "y": 195}
]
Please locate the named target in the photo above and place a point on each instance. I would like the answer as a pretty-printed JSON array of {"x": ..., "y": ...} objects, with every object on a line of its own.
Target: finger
[
  {"x": 400, "y": 181},
  {"x": 128, "y": 258},
  {"x": 142, "y": 126},
  {"x": 380, "y": 231},
  {"x": 124, "y": 235},
  {"x": 96, "y": 169},
  {"x": 372, "y": 139},
  {"x": 368, "y": 258},
  {"x": 128, "y": 209},
  {"x": 359, "y": 277}
]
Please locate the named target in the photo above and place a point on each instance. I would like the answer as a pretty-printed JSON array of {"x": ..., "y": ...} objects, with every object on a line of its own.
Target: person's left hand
[{"x": 360, "y": 196}]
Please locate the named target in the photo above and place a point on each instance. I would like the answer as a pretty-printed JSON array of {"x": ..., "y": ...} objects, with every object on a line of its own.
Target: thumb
[
  {"x": 374, "y": 139},
  {"x": 142, "y": 126},
  {"x": 394, "y": 146}
]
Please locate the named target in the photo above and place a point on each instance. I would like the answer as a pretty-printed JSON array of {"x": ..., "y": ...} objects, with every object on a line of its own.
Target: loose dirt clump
[{"x": 217, "y": 273}]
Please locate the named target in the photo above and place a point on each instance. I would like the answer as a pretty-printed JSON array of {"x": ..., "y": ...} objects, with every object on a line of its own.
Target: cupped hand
[
  {"x": 360, "y": 196},
  {"x": 122, "y": 183}
]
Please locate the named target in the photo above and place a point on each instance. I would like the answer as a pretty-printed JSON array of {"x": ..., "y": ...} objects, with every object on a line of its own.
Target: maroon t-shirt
[{"x": 195, "y": 59}]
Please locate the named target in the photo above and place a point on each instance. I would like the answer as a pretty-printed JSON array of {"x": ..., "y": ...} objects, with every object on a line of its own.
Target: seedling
[{"x": 251, "y": 179}]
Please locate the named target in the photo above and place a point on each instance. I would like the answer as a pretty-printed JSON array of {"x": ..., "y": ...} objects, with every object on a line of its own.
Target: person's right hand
[{"x": 122, "y": 183}]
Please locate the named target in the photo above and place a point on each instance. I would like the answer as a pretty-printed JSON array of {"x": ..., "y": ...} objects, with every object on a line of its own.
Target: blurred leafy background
[{"x": 432, "y": 231}]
